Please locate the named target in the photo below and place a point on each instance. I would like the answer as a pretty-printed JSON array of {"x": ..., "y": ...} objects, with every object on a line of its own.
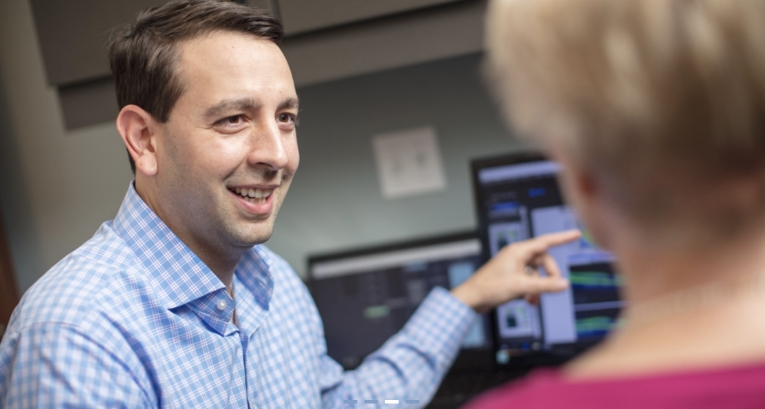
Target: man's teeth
[{"x": 248, "y": 193}]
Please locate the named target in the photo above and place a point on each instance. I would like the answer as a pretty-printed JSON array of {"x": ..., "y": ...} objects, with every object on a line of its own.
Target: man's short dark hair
[{"x": 143, "y": 57}]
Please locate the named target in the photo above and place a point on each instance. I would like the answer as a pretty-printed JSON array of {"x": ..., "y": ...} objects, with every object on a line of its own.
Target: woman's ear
[
  {"x": 577, "y": 183},
  {"x": 137, "y": 129},
  {"x": 584, "y": 194}
]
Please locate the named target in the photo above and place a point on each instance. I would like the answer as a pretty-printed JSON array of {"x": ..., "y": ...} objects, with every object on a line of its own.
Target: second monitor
[{"x": 517, "y": 198}]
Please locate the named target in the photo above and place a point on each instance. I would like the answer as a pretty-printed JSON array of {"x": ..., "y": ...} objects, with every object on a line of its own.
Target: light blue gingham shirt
[{"x": 133, "y": 319}]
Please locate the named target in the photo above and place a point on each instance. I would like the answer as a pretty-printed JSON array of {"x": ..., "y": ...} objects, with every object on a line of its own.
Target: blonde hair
[{"x": 662, "y": 100}]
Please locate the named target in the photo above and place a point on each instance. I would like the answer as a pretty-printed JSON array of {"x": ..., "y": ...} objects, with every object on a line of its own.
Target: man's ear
[{"x": 137, "y": 129}]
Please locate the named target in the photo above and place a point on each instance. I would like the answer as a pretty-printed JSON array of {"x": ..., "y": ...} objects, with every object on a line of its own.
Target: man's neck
[
  {"x": 221, "y": 263},
  {"x": 223, "y": 267}
]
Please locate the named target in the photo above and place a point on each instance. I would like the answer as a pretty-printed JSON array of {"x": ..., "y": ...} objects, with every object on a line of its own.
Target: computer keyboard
[{"x": 457, "y": 389}]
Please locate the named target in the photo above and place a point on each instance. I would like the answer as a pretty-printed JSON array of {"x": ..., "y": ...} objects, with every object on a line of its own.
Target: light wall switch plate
[{"x": 409, "y": 162}]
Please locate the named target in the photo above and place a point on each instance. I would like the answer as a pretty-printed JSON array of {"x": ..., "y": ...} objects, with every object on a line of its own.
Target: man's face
[{"x": 228, "y": 152}]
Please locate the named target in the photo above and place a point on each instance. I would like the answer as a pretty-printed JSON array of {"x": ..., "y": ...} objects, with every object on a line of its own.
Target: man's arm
[
  {"x": 410, "y": 365},
  {"x": 53, "y": 365}
]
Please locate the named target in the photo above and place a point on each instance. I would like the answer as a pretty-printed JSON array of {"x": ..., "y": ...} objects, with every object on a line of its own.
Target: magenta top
[{"x": 730, "y": 388}]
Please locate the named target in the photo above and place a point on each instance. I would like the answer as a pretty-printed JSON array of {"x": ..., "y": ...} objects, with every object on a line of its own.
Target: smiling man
[
  {"x": 218, "y": 169},
  {"x": 176, "y": 302}
]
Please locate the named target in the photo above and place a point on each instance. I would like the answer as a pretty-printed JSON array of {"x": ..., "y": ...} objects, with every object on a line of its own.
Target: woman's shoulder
[
  {"x": 737, "y": 387},
  {"x": 539, "y": 389}
]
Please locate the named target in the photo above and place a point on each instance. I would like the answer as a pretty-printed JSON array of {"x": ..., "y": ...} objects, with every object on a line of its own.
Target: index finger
[{"x": 538, "y": 245}]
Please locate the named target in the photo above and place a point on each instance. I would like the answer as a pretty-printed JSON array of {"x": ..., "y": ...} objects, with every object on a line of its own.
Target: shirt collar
[
  {"x": 254, "y": 271},
  {"x": 254, "y": 274},
  {"x": 177, "y": 273}
]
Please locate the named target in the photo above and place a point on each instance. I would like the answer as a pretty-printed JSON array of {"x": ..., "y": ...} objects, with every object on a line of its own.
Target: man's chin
[
  {"x": 245, "y": 234},
  {"x": 249, "y": 240}
]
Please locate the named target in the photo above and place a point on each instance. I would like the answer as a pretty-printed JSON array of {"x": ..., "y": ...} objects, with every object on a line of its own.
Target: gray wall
[
  {"x": 335, "y": 202},
  {"x": 57, "y": 186}
]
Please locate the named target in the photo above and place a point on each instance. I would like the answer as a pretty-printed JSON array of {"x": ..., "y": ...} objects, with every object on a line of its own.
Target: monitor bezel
[{"x": 467, "y": 360}]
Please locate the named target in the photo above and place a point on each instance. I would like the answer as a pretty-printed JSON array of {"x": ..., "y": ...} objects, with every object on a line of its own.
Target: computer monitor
[
  {"x": 365, "y": 296},
  {"x": 517, "y": 197}
]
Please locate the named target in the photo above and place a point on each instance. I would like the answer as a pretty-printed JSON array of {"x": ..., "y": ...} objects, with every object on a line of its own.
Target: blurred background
[{"x": 363, "y": 69}]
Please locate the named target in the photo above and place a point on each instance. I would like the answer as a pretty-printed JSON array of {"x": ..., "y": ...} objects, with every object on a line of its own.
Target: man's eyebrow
[
  {"x": 290, "y": 103},
  {"x": 227, "y": 105}
]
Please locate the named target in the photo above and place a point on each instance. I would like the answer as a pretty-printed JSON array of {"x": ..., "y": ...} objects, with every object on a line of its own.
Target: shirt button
[{"x": 222, "y": 305}]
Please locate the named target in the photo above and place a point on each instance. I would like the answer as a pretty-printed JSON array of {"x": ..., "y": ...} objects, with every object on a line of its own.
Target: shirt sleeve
[
  {"x": 55, "y": 366},
  {"x": 410, "y": 365}
]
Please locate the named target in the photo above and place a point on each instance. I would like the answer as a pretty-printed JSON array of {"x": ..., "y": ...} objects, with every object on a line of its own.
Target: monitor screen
[
  {"x": 366, "y": 296},
  {"x": 517, "y": 197}
]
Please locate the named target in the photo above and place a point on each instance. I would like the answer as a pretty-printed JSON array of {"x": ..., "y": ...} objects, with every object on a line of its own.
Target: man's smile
[
  {"x": 254, "y": 195},
  {"x": 254, "y": 199}
]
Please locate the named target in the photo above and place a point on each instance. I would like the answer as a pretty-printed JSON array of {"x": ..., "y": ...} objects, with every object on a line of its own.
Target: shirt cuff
[{"x": 440, "y": 324}]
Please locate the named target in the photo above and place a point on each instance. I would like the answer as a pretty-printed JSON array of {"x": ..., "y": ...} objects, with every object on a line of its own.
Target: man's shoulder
[{"x": 96, "y": 276}]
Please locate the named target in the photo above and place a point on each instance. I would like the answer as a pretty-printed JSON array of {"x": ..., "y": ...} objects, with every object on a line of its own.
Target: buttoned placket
[
  {"x": 244, "y": 342},
  {"x": 222, "y": 306}
]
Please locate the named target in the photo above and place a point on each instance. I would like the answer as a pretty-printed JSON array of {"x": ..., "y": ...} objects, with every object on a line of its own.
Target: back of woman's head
[{"x": 663, "y": 101}]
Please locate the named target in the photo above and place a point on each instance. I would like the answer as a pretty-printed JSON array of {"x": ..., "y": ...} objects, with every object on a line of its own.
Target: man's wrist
[{"x": 470, "y": 297}]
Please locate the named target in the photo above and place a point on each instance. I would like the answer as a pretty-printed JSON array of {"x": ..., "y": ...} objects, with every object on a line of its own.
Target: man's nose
[{"x": 267, "y": 146}]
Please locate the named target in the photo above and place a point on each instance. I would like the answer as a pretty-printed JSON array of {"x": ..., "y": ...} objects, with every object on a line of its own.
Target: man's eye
[
  {"x": 232, "y": 120},
  {"x": 231, "y": 124},
  {"x": 287, "y": 118}
]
